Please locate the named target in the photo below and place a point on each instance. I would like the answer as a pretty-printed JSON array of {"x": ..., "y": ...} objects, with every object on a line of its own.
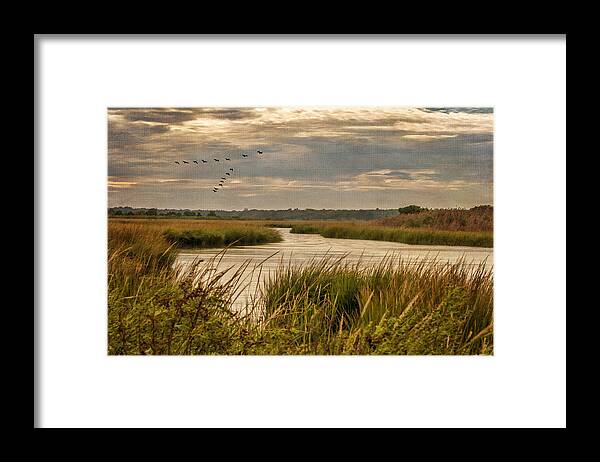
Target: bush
[{"x": 410, "y": 209}]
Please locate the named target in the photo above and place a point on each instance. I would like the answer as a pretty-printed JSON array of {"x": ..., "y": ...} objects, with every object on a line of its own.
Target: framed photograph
[
  {"x": 269, "y": 229},
  {"x": 300, "y": 231}
]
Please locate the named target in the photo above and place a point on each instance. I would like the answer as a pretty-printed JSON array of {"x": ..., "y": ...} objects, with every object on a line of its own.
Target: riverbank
[
  {"x": 403, "y": 235},
  {"x": 330, "y": 305},
  {"x": 197, "y": 234}
]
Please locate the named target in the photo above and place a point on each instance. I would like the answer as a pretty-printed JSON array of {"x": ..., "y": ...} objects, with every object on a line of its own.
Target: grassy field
[
  {"x": 479, "y": 219},
  {"x": 377, "y": 232},
  {"x": 198, "y": 233},
  {"x": 202, "y": 233},
  {"x": 331, "y": 307},
  {"x": 323, "y": 307},
  {"x": 457, "y": 227}
]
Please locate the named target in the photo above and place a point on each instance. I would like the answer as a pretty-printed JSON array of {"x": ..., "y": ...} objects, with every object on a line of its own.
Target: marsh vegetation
[
  {"x": 324, "y": 306},
  {"x": 458, "y": 227}
]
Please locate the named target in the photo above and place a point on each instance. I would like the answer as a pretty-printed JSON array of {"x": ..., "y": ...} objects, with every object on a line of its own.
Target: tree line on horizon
[{"x": 283, "y": 214}]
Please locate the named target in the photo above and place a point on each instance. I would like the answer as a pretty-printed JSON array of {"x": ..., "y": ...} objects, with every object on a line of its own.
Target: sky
[{"x": 313, "y": 157}]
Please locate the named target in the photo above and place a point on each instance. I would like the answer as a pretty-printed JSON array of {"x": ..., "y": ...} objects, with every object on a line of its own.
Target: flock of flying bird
[{"x": 227, "y": 174}]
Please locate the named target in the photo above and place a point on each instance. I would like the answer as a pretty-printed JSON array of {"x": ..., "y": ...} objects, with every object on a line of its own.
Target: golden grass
[{"x": 322, "y": 307}]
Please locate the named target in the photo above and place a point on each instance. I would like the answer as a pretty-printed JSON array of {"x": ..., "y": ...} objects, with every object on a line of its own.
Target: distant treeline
[
  {"x": 309, "y": 214},
  {"x": 254, "y": 214}
]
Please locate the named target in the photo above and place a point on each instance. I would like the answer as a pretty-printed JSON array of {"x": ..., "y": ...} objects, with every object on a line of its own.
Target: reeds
[
  {"x": 325, "y": 306},
  {"x": 479, "y": 218},
  {"x": 201, "y": 233},
  {"x": 407, "y": 236},
  {"x": 394, "y": 307},
  {"x": 454, "y": 227},
  {"x": 204, "y": 238}
]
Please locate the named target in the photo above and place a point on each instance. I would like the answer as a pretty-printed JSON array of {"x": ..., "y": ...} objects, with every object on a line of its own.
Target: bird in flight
[
  {"x": 195, "y": 161},
  {"x": 203, "y": 161},
  {"x": 244, "y": 155},
  {"x": 177, "y": 162},
  {"x": 259, "y": 152}
]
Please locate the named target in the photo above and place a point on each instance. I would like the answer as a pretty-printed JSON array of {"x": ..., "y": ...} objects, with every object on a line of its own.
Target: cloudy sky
[{"x": 336, "y": 158}]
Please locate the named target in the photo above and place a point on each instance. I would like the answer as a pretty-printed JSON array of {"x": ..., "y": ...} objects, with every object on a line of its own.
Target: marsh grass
[
  {"x": 479, "y": 218},
  {"x": 325, "y": 306},
  {"x": 202, "y": 233},
  {"x": 395, "y": 307},
  {"x": 376, "y": 232},
  {"x": 206, "y": 238}
]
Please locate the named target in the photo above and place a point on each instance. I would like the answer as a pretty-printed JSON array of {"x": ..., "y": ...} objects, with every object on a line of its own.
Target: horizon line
[{"x": 295, "y": 208}]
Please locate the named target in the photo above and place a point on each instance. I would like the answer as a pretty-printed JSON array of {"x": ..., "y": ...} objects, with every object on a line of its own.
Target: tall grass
[
  {"x": 306, "y": 229},
  {"x": 396, "y": 307},
  {"x": 326, "y": 306},
  {"x": 224, "y": 237},
  {"x": 203, "y": 234},
  {"x": 407, "y": 236},
  {"x": 479, "y": 218},
  {"x": 154, "y": 308}
]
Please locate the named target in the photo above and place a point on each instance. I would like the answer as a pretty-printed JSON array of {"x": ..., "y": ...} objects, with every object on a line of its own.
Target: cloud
[
  {"x": 427, "y": 137},
  {"x": 415, "y": 180},
  {"x": 159, "y": 116},
  {"x": 228, "y": 114},
  {"x": 121, "y": 184},
  {"x": 180, "y": 115},
  {"x": 468, "y": 110},
  {"x": 173, "y": 181},
  {"x": 306, "y": 150}
]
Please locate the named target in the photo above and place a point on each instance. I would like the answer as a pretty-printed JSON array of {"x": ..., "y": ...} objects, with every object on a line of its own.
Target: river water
[{"x": 297, "y": 249}]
